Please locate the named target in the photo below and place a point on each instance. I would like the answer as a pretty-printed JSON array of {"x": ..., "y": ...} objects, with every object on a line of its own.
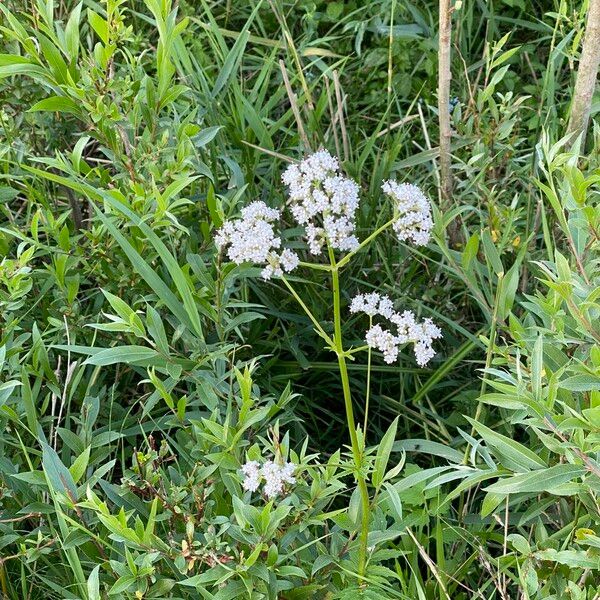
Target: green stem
[
  {"x": 308, "y": 312},
  {"x": 368, "y": 392},
  {"x": 346, "y": 259},
  {"x": 488, "y": 360},
  {"x": 356, "y": 449},
  {"x": 315, "y": 266},
  {"x": 357, "y": 350}
]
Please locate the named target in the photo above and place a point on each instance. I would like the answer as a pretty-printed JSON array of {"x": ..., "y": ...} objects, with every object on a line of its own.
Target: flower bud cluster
[
  {"x": 323, "y": 201},
  {"x": 408, "y": 329},
  {"x": 252, "y": 239},
  {"x": 273, "y": 475},
  {"x": 413, "y": 212}
]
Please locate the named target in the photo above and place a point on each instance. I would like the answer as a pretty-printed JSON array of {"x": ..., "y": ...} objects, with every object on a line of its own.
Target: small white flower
[
  {"x": 289, "y": 260},
  {"x": 279, "y": 263},
  {"x": 386, "y": 307},
  {"x": 408, "y": 329},
  {"x": 251, "y": 471},
  {"x": 413, "y": 212},
  {"x": 372, "y": 304},
  {"x": 423, "y": 353},
  {"x": 252, "y": 239},
  {"x": 275, "y": 476},
  {"x": 384, "y": 341},
  {"x": 287, "y": 472},
  {"x": 323, "y": 201},
  {"x": 273, "y": 484}
]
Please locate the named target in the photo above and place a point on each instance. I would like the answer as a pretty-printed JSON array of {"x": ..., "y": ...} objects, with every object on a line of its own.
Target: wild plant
[{"x": 323, "y": 201}]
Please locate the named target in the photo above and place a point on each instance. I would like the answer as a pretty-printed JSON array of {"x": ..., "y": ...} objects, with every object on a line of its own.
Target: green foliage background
[{"x": 139, "y": 368}]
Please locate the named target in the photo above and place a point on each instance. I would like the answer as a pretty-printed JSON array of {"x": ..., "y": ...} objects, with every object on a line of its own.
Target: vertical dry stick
[
  {"x": 340, "y": 107},
  {"x": 291, "y": 47},
  {"x": 333, "y": 118},
  {"x": 294, "y": 104},
  {"x": 587, "y": 73},
  {"x": 444, "y": 101},
  {"x": 444, "y": 77},
  {"x": 428, "y": 562},
  {"x": 75, "y": 210}
]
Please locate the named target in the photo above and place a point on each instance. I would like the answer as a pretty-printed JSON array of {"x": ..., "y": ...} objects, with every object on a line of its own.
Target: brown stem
[
  {"x": 587, "y": 73},
  {"x": 75, "y": 210},
  {"x": 444, "y": 77}
]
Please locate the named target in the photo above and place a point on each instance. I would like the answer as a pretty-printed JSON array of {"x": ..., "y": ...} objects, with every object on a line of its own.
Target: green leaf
[
  {"x": 122, "y": 585},
  {"x": 513, "y": 455},
  {"x": 77, "y": 469},
  {"x": 122, "y": 354},
  {"x": 57, "y": 104},
  {"x": 423, "y": 446},
  {"x": 580, "y": 383},
  {"x": 491, "y": 253},
  {"x": 544, "y": 480},
  {"x": 72, "y": 33},
  {"x": 93, "y": 584},
  {"x": 519, "y": 543},
  {"x": 7, "y": 193},
  {"x": 206, "y": 136},
  {"x": 99, "y": 25},
  {"x": 383, "y": 453},
  {"x": 58, "y": 476},
  {"x": 6, "y": 390},
  {"x": 232, "y": 62},
  {"x": 575, "y": 559}
]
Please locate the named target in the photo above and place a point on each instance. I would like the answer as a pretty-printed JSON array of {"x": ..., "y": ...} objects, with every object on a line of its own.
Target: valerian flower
[
  {"x": 412, "y": 210},
  {"x": 407, "y": 329},
  {"x": 251, "y": 471},
  {"x": 273, "y": 475},
  {"x": 252, "y": 239},
  {"x": 372, "y": 304},
  {"x": 323, "y": 201}
]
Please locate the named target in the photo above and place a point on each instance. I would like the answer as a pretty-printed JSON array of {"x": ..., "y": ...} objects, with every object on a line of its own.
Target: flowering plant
[{"x": 324, "y": 202}]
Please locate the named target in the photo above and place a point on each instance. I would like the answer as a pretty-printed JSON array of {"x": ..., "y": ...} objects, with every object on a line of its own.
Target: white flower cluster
[
  {"x": 275, "y": 476},
  {"x": 413, "y": 212},
  {"x": 252, "y": 239},
  {"x": 373, "y": 304},
  {"x": 323, "y": 201},
  {"x": 408, "y": 329}
]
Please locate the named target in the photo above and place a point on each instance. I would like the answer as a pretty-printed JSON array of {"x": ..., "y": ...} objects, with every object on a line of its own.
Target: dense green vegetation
[{"x": 141, "y": 368}]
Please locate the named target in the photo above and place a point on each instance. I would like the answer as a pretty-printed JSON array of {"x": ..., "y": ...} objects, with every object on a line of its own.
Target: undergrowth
[{"x": 143, "y": 368}]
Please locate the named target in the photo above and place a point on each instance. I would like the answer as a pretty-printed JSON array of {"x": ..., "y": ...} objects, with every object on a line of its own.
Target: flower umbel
[
  {"x": 323, "y": 201},
  {"x": 414, "y": 222},
  {"x": 408, "y": 329},
  {"x": 274, "y": 475},
  {"x": 251, "y": 471},
  {"x": 252, "y": 239},
  {"x": 372, "y": 304}
]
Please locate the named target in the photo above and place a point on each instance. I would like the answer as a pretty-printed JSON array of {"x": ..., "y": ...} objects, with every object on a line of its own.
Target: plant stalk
[
  {"x": 587, "y": 73},
  {"x": 357, "y": 451},
  {"x": 444, "y": 76},
  {"x": 346, "y": 259}
]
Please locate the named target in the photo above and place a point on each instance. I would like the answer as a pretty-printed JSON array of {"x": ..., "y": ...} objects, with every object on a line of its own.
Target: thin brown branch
[
  {"x": 294, "y": 106},
  {"x": 444, "y": 77},
  {"x": 587, "y": 74}
]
